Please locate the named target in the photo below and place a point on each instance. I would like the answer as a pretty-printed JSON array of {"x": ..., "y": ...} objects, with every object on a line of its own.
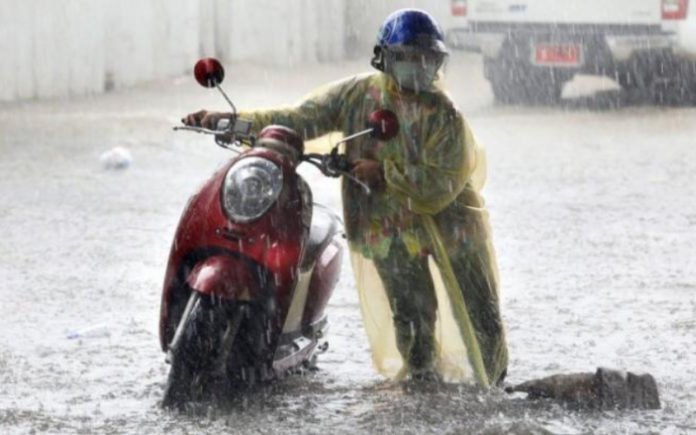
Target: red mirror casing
[
  {"x": 209, "y": 72},
  {"x": 384, "y": 124}
]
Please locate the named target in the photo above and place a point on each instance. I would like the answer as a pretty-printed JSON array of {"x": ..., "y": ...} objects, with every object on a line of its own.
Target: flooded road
[{"x": 594, "y": 222}]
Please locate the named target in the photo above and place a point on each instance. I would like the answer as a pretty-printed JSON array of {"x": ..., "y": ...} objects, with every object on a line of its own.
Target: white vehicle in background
[
  {"x": 679, "y": 20},
  {"x": 531, "y": 48},
  {"x": 459, "y": 35}
]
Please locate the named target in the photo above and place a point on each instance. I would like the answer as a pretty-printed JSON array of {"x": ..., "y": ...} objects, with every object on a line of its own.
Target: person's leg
[
  {"x": 411, "y": 295},
  {"x": 476, "y": 274}
]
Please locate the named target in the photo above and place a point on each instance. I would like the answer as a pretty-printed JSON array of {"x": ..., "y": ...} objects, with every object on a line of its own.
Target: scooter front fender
[{"x": 224, "y": 277}]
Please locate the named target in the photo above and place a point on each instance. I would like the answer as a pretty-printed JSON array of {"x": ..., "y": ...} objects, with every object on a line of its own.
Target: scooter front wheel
[{"x": 198, "y": 355}]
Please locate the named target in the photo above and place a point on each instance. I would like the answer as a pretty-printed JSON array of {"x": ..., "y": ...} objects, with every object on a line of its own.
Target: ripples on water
[{"x": 594, "y": 224}]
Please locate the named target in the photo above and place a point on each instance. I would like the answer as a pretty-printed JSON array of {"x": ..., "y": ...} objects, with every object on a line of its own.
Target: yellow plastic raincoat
[{"x": 429, "y": 215}]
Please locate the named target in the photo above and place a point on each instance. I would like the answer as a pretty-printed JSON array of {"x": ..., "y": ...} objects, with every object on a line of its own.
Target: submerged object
[
  {"x": 117, "y": 158},
  {"x": 95, "y": 331},
  {"x": 605, "y": 389}
]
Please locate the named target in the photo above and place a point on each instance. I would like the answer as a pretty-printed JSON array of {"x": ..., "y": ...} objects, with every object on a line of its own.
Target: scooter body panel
[
  {"x": 207, "y": 241},
  {"x": 225, "y": 277}
]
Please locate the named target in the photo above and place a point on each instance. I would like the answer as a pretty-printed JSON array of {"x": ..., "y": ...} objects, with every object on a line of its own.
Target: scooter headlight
[{"x": 251, "y": 187}]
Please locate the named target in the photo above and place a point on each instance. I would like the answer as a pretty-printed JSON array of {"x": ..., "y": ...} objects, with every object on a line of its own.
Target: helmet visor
[
  {"x": 427, "y": 58},
  {"x": 414, "y": 68}
]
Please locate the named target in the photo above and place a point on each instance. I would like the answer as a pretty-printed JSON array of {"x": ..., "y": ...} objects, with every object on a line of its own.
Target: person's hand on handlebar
[
  {"x": 369, "y": 172},
  {"x": 205, "y": 119}
]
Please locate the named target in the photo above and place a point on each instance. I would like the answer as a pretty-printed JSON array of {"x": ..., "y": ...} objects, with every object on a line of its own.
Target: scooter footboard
[{"x": 225, "y": 277}]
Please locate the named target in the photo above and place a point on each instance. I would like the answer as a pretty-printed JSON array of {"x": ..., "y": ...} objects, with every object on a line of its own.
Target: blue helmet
[
  {"x": 408, "y": 28},
  {"x": 411, "y": 49}
]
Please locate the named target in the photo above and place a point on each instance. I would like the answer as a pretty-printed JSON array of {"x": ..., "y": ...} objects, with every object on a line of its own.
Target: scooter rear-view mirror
[
  {"x": 384, "y": 124},
  {"x": 209, "y": 72}
]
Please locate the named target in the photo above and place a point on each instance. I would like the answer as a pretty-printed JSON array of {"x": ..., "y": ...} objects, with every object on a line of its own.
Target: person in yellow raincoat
[{"x": 420, "y": 241}]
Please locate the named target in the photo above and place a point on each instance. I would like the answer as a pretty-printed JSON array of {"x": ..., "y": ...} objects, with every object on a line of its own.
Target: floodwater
[{"x": 592, "y": 205}]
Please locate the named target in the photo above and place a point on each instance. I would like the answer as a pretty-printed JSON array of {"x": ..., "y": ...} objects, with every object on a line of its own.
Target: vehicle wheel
[
  {"x": 514, "y": 82},
  {"x": 663, "y": 81},
  {"x": 630, "y": 81},
  {"x": 253, "y": 356},
  {"x": 678, "y": 87},
  {"x": 194, "y": 364}
]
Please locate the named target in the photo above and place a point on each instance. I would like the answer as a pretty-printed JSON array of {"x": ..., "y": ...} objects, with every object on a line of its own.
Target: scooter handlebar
[
  {"x": 331, "y": 165},
  {"x": 335, "y": 165},
  {"x": 229, "y": 132}
]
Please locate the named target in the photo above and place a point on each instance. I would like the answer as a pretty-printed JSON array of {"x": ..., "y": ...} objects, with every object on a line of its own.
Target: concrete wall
[
  {"x": 61, "y": 48},
  {"x": 51, "y": 48},
  {"x": 280, "y": 32},
  {"x": 145, "y": 40}
]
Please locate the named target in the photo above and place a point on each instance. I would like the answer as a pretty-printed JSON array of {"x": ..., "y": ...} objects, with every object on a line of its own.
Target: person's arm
[
  {"x": 315, "y": 115},
  {"x": 447, "y": 162}
]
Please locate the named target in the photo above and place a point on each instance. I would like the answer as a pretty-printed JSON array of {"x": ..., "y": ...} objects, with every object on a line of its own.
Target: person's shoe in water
[
  {"x": 423, "y": 381},
  {"x": 425, "y": 375}
]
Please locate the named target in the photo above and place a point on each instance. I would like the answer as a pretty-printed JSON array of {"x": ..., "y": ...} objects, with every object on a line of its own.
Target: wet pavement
[{"x": 591, "y": 203}]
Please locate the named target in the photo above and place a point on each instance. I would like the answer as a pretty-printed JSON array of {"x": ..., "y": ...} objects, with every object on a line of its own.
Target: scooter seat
[{"x": 324, "y": 228}]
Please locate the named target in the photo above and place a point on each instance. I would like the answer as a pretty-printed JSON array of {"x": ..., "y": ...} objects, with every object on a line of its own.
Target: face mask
[{"x": 415, "y": 76}]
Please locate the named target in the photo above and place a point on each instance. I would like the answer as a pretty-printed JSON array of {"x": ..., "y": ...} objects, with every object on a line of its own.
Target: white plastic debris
[
  {"x": 117, "y": 158},
  {"x": 96, "y": 331}
]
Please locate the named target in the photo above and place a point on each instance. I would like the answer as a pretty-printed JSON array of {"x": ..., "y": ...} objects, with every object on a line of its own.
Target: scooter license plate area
[{"x": 558, "y": 55}]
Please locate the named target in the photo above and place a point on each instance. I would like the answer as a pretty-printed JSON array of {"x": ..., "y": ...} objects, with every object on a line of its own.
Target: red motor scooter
[{"x": 253, "y": 263}]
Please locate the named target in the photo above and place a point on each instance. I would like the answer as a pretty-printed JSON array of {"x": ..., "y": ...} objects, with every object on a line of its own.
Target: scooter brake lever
[
  {"x": 365, "y": 187},
  {"x": 336, "y": 164},
  {"x": 195, "y": 129}
]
